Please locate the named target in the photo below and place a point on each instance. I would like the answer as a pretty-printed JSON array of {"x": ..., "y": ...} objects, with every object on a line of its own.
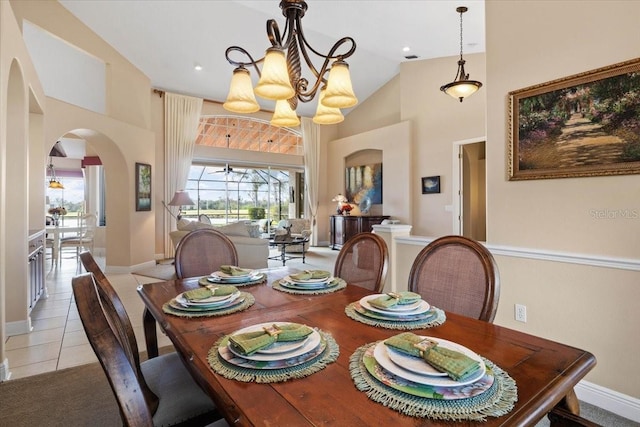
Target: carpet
[
  {"x": 78, "y": 396},
  {"x": 159, "y": 271}
]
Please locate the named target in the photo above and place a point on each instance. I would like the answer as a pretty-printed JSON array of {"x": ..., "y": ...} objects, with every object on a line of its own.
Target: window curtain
[
  {"x": 311, "y": 144},
  {"x": 181, "y": 117}
]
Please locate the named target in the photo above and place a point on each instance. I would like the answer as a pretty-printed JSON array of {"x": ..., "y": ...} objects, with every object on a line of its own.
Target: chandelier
[
  {"x": 461, "y": 86},
  {"x": 281, "y": 76}
]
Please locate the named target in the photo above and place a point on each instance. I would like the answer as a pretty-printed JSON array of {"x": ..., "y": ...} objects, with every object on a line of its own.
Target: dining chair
[
  {"x": 457, "y": 274},
  {"x": 156, "y": 392},
  {"x": 83, "y": 239},
  {"x": 363, "y": 261},
  {"x": 204, "y": 219},
  {"x": 201, "y": 252}
]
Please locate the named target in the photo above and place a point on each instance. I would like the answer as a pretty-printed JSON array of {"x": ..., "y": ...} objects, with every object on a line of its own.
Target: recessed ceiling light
[
  {"x": 198, "y": 67},
  {"x": 406, "y": 49}
]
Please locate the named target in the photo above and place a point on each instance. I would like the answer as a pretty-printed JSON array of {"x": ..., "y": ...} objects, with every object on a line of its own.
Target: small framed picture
[
  {"x": 143, "y": 187},
  {"x": 430, "y": 184}
]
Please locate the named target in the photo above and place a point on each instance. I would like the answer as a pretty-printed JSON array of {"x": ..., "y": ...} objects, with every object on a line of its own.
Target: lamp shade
[
  {"x": 339, "y": 92},
  {"x": 241, "y": 98},
  {"x": 284, "y": 116},
  {"x": 181, "y": 198},
  {"x": 327, "y": 115},
  {"x": 461, "y": 88},
  {"x": 274, "y": 82}
]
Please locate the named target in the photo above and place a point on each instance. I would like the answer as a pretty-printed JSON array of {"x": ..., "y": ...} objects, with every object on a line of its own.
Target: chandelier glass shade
[
  {"x": 326, "y": 115},
  {"x": 461, "y": 86},
  {"x": 280, "y": 78},
  {"x": 54, "y": 183}
]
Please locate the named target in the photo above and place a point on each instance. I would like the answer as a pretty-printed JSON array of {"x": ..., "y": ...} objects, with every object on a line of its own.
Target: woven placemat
[
  {"x": 437, "y": 319},
  {"x": 222, "y": 367},
  {"x": 496, "y": 401},
  {"x": 249, "y": 300},
  {"x": 262, "y": 278},
  {"x": 341, "y": 285}
]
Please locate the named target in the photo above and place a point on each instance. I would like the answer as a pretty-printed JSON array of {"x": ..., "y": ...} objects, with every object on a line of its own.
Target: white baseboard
[
  {"x": 19, "y": 327},
  {"x": 609, "y": 400},
  {"x": 115, "y": 269},
  {"x": 5, "y": 374}
]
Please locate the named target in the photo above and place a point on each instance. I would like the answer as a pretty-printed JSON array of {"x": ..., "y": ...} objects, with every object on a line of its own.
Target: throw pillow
[
  {"x": 186, "y": 225},
  {"x": 254, "y": 230},
  {"x": 235, "y": 229},
  {"x": 200, "y": 225}
]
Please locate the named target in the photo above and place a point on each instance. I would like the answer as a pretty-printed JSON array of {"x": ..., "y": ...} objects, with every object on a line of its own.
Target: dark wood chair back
[
  {"x": 201, "y": 252},
  {"x": 457, "y": 274},
  {"x": 363, "y": 261},
  {"x": 111, "y": 343}
]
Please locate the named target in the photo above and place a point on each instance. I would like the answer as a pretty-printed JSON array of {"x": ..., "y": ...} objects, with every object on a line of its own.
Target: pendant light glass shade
[
  {"x": 326, "y": 115},
  {"x": 284, "y": 116},
  {"x": 339, "y": 92},
  {"x": 241, "y": 98},
  {"x": 274, "y": 82}
]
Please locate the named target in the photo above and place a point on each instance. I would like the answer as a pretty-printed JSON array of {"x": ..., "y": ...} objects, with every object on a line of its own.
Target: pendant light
[{"x": 461, "y": 86}]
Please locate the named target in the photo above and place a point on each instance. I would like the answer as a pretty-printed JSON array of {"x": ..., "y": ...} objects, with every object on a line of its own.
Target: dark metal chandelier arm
[
  {"x": 252, "y": 62},
  {"x": 273, "y": 33}
]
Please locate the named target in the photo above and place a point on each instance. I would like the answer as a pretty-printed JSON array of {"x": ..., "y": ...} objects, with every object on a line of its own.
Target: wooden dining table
[{"x": 545, "y": 371}]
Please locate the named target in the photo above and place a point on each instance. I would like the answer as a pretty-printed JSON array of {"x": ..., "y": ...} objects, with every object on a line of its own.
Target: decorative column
[{"x": 389, "y": 232}]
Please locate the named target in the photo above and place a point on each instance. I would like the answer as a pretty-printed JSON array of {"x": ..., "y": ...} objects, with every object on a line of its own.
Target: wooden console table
[{"x": 344, "y": 227}]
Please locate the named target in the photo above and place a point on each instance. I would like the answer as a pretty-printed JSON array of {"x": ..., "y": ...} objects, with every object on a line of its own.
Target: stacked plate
[
  {"x": 279, "y": 354},
  {"x": 214, "y": 303},
  {"x": 308, "y": 284},
  {"x": 220, "y": 277},
  {"x": 415, "y": 376},
  {"x": 420, "y": 310}
]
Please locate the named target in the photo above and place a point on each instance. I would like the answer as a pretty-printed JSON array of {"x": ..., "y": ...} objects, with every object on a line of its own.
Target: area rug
[
  {"x": 159, "y": 271},
  {"x": 78, "y": 396}
]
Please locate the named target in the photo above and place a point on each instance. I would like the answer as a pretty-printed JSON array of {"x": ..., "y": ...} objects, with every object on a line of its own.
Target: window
[
  {"x": 71, "y": 198},
  {"x": 233, "y": 193}
]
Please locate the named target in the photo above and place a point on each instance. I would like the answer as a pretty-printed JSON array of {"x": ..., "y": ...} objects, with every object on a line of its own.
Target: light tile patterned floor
[{"x": 58, "y": 340}]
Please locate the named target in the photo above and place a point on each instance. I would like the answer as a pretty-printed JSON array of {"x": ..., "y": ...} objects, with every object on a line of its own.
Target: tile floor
[{"x": 58, "y": 339}]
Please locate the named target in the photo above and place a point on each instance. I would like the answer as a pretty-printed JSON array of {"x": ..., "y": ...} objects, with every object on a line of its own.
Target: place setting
[
  {"x": 312, "y": 282},
  {"x": 272, "y": 352},
  {"x": 233, "y": 275},
  {"x": 209, "y": 300},
  {"x": 395, "y": 310},
  {"x": 431, "y": 377}
]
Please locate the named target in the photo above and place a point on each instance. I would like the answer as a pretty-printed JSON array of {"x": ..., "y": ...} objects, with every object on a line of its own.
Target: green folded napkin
[
  {"x": 250, "y": 342},
  {"x": 395, "y": 298},
  {"x": 455, "y": 364},
  {"x": 311, "y": 274},
  {"x": 232, "y": 270},
  {"x": 209, "y": 291}
]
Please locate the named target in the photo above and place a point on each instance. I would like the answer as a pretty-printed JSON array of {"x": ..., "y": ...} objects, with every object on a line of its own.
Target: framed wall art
[
  {"x": 587, "y": 124},
  {"x": 143, "y": 187},
  {"x": 430, "y": 184},
  {"x": 364, "y": 183}
]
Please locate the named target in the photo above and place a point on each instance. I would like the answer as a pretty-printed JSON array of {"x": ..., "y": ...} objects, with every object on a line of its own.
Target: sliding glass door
[{"x": 228, "y": 193}]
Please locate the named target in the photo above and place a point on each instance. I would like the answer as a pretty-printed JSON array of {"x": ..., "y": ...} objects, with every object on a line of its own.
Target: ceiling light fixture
[
  {"x": 461, "y": 86},
  {"x": 281, "y": 76},
  {"x": 54, "y": 182}
]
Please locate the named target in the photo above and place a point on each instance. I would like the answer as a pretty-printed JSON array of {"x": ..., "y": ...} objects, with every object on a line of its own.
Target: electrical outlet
[{"x": 521, "y": 313}]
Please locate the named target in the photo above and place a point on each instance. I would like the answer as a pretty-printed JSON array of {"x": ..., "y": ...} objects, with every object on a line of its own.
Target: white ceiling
[{"x": 165, "y": 39}]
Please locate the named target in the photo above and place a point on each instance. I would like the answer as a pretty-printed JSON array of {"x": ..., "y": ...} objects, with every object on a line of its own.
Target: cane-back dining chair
[
  {"x": 457, "y": 274},
  {"x": 363, "y": 261},
  {"x": 157, "y": 392},
  {"x": 201, "y": 252},
  {"x": 83, "y": 240}
]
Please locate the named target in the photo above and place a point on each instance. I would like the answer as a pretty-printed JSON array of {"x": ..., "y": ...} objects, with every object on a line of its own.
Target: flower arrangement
[
  {"x": 60, "y": 210},
  {"x": 346, "y": 208}
]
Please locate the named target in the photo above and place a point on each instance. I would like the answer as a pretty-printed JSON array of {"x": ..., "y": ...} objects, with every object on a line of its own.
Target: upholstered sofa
[
  {"x": 252, "y": 250},
  {"x": 300, "y": 227}
]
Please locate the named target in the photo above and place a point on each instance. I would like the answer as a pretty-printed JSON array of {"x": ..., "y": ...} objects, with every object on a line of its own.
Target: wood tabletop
[{"x": 544, "y": 371}]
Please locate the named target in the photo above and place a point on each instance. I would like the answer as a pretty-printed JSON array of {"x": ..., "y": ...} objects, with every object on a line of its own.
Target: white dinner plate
[
  {"x": 220, "y": 277},
  {"x": 209, "y": 302},
  {"x": 422, "y": 307},
  {"x": 308, "y": 344},
  {"x": 307, "y": 281},
  {"x": 381, "y": 354}
]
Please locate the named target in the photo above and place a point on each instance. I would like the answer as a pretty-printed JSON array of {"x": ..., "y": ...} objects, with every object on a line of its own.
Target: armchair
[{"x": 299, "y": 227}]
